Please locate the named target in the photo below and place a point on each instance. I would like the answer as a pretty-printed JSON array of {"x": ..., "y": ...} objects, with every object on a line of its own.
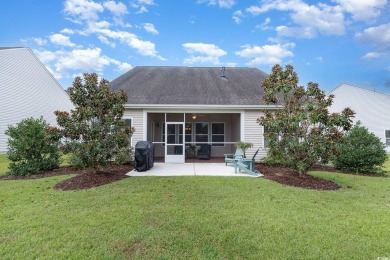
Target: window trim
[
  {"x": 387, "y": 138},
  {"x": 132, "y": 125}
]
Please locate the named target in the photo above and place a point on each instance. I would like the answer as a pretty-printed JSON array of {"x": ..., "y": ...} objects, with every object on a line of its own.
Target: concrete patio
[{"x": 190, "y": 169}]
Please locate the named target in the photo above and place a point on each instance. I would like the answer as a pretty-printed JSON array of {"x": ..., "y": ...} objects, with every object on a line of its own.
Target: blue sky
[{"x": 328, "y": 42}]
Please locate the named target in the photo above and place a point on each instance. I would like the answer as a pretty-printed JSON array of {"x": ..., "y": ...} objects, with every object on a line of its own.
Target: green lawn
[{"x": 195, "y": 217}]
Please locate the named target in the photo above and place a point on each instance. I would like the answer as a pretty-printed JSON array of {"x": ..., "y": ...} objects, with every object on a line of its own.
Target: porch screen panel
[{"x": 388, "y": 137}]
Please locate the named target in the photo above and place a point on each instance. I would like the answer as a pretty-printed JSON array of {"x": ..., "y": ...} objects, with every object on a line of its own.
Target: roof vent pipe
[{"x": 223, "y": 72}]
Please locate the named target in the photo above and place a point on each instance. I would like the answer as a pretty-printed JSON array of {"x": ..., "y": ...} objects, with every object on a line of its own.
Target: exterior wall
[
  {"x": 253, "y": 133},
  {"x": 27, "y": 90},
  {"x": 231, "y": 121},
  {"x": 137, "y": 122},
  {"x": 372, "y": 108}
]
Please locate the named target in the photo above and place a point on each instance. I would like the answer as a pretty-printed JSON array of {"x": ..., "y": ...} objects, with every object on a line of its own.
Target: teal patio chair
[
  {"x": 233, "y": 158},
  {"x": 247, "y": 166}
]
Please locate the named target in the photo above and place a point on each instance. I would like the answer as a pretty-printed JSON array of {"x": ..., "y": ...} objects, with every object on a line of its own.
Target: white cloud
[
  {"x": 372, "y": 55},
  {"x": 237, "y": 15},
  {"x": 117, "y": 9},
  {"x": 83, "y": 9},
  {"x": 378, "y": 36},
  {"x": 264, "y": 25},
  {"x": 106, "y": 41},
  {"x": 67, "y": 31},
  {"x": 141, "y": 5},
  {"x": 54, "y": 73},
  {"x": 45, "y": 56},
  {"x": 204, "y": 53},
  {"x": 267, "y": 54},
  {"x": 150, "y": 28},
  {"x": 40, "y": 41},
  {"x": 363, "y": 9},
  {"x": 221, "y": 3},
  {"x": 145, "y": 48},
  {"x": 230, "y": 64},
  {"x": 226, "y": 3},
  {"x": 61, "y": 39},
  {"x": 124, "y": 66},
  {"x": 89, "y": 59},
  {"x": 309, "y": 20}
]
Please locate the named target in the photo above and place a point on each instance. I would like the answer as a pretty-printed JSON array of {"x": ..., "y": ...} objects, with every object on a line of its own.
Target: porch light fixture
[{"x": 193, "y": 117}]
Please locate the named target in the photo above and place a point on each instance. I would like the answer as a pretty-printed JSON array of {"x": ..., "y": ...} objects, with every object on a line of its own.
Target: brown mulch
[
  {"x": 84, "y": 179},
  {"x": 289, "y": 177},
  {"x": 89, "y": 179}
]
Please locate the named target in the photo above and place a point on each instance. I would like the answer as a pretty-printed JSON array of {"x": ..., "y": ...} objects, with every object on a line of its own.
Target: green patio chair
[
  {"x": 233, "y": 158},
  {"x": 247, "y": 165}
]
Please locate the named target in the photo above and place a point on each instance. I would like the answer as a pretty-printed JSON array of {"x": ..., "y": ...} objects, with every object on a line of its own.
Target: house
[
  {"x": 372, "y": 109},
  {"x": 27, "y": 89},
  {"x": 175, "y": 107}
]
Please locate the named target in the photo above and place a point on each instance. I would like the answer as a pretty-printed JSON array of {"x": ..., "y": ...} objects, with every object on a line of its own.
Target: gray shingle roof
[{"x": 192, "y": 85}]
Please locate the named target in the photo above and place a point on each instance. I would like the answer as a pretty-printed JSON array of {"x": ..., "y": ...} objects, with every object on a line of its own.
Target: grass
[
  {"x": 196, "y": 217},
  {"x": 3, "y": 164}
]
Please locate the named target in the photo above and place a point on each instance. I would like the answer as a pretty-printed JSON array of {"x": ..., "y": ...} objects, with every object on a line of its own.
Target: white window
[
  {"x": 218, "y": 134},
  {"x": 202, "y": 132},
  {"x": 129, "y": 122},
  {"x": 387, "y": 137},
  {"x": 265, "y": 140}
]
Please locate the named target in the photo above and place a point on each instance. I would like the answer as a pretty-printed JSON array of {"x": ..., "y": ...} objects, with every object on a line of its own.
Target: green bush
[
  {"x": 33, "y": 146},
  {"x": 360, "y": 151},
  {"x": 94, "y": 132}
]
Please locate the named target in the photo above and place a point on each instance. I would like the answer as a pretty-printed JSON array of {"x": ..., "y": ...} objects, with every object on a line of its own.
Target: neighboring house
[
  {"x": 27, "y": 89},
  {"x": 177, "y": 106},
  {"x": 371, "y": 108}
]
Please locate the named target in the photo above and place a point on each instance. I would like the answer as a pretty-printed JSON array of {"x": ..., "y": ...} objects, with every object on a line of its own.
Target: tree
[
  {"x": 300, "y": 132},
  {"x": 33, "y": 146},
  {"x": 95, "y": 132},
  {"x": 244, "y": 146},
  {"x": 360, "y": 151}
]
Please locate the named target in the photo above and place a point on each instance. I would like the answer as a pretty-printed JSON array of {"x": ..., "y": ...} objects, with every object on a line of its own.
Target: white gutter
[{"x": 202, "y": 106}]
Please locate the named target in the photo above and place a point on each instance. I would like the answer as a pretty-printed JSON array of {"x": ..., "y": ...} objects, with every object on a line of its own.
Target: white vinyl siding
[
  {"x": 137, "y": 122},
  {"x": 27, "y": 89},
  {"x": 254, "y": 134},
  {"x": 372, "y": 108}
]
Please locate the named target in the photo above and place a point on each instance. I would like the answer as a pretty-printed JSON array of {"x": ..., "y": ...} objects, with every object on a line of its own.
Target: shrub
[
  {"x": 301, "y": 132},
  {"x": 33, "y": 146},
  {"x": 360, "y": 151},
  {"x": 94, "y": 131}
]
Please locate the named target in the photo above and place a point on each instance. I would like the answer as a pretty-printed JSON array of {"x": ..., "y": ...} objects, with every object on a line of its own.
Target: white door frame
[{"x": 175, "y": 158}]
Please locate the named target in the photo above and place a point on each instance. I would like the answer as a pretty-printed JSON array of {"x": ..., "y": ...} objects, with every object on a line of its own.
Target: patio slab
[{"x": 190, "y": 169}]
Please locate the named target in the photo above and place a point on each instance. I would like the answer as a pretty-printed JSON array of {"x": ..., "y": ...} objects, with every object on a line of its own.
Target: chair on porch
[
  {"x": 247, "y": 165},
  {"x": 233, "y": 158},
  {"x": 204, "y": 151}
]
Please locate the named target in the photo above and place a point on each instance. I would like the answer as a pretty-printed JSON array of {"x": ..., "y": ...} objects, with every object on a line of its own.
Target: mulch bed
[
  {"x": 86, "y": 179},
  {"x": 289, "y": 177},
  {"x": 89, "y": 179}
]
